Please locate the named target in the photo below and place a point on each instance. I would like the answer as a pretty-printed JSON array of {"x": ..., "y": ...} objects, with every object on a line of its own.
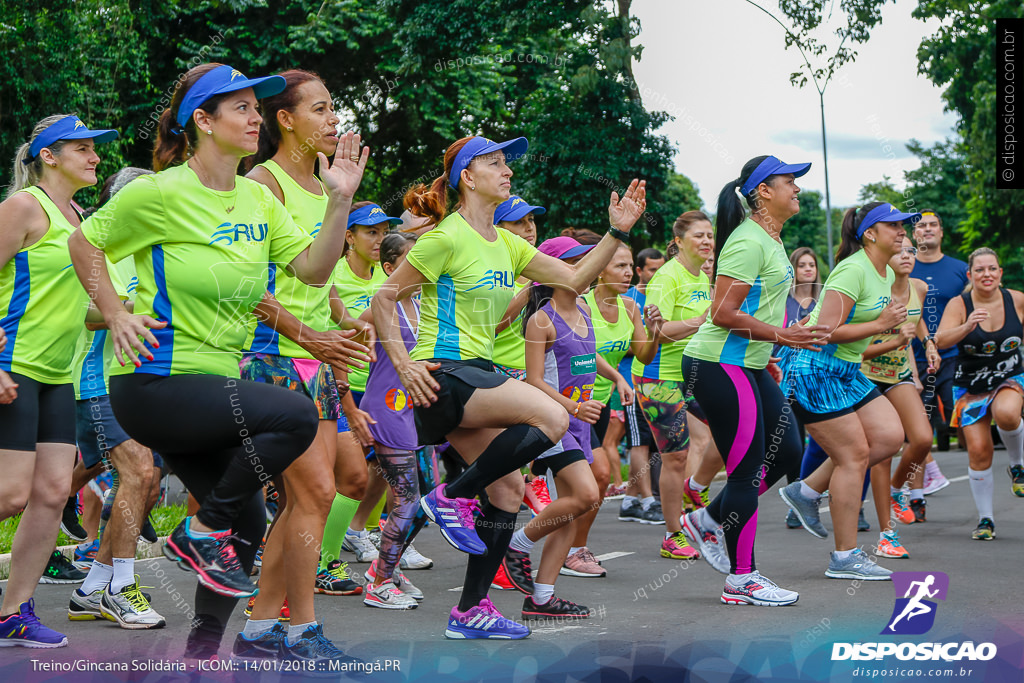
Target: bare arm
[
  {"x": 836, "y": 307},
  {"x": 725, "y": 312},
  {"x": 335, "y": 347},
  {"x": 956, "y": 324}
]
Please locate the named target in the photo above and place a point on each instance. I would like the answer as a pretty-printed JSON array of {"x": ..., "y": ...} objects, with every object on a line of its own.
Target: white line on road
[{"x": 607, "y": 556}]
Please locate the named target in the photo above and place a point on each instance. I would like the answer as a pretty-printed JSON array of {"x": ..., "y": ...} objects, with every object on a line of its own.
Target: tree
[
  {"x": 883, "y": 191},
  {"x": 807, "y": 228}
]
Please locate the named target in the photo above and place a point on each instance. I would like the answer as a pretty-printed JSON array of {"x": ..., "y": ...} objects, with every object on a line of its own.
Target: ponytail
[
  {"x": 432, "y": 202},
  {"x": 849, "y": 244},
  {"x": 173, "y": 145},
  {"x": 28, "y": 175},
  {"x": 539, "y": 295},
  {"x": 730, "y": 207}
]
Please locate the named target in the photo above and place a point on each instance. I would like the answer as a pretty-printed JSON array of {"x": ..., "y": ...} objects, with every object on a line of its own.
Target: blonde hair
[{"x": 29, "y": 174}]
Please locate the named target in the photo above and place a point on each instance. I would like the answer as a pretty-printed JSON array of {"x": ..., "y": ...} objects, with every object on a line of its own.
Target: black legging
[
  {"x": 755, "y": 431},
  {"x": 253, "y": 430}
]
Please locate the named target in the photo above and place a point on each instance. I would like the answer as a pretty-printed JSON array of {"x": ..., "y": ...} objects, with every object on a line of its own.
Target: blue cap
[
  {"x": 476, "y": 146},
  {"x": 769, "y": 167},
  {"x": 884, "y": 213},
  {"x": 371, "y": 214},
  {"x": 68, "y": 128},
  {"x": 224, "y": 79},
  {"x": 514, "y": 208}
]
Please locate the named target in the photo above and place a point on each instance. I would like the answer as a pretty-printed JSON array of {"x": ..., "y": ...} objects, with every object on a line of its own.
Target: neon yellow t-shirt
[
  {"x": 311, "y": 305},
  {"x": 679, "y": 295},
  {"x": 750, "y": 255},
  {"x": 95, "y": 350},
  {"x": 470, "y": 284},
  {"x": 613, "y": 340},
  {"x": 201, "y": 267},
  {"x": 42, "y": 303},
  {"x": 510, "y": 344},
  {"x": 355, "y": 293}
]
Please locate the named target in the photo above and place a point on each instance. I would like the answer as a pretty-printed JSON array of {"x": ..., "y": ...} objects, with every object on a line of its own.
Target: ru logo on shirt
[
  {"x": 494, "y": 278},
  {"x": 230, "y": 233},
  {"x": 913, "y": 614}
]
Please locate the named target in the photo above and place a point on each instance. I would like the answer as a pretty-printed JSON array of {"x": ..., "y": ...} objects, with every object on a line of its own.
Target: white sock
[
  {"x": 192, "y": 533},
  {"x": 627, "y": 501},
  {"x": 916, "y": 494},
  {"x": 982, "y": 487},
  {"x": 543, "y": 592},
  {"x": 932, "y": 470},
  {"x": 807, "y": 492},
  {"x": 254, "y": 628},
  {"x": 695, "y": 486},
  {"x": 737, "y": 580},
  {"x": 124, "y": 573},
  {"x": 843, "y": 554},
  {"x": 98, "y": 578},
  {"x": 361, "y": 533},
  {"x": 84, "y": 545},
  {"x": 295, "y": 631},
  {"x": 646, "y": 502},
  {"x": 572, "y": 551},
  {"x": 1014, "y": 442},
  {"x": 705, "y": 519},
  {"x": 521, "y": 542}
]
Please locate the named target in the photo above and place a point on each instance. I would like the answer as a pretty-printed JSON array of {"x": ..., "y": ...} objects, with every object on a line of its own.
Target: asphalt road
[{"x": 653, "y": 618}]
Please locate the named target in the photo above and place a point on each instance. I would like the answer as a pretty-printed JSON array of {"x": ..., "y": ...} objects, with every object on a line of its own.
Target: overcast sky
[{"x": 721, "y": 68}]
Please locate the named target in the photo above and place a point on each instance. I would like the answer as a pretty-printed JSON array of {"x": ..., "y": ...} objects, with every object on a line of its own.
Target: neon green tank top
[
  {"x": 510, "y": 344},
  {"x": 893, "y": 367},
  {"x": 310, "y": 305},
  {"x": 612, "y": 341},
  {"x": 95, "y": 349},
  {"x": 355, "y": 293},
  {"x": 42, "y": 303}
]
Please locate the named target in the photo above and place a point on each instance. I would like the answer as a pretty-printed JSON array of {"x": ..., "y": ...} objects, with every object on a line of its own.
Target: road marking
[
  {"x": 951, "y": 481},
  {"x": 607, "y": 556}
]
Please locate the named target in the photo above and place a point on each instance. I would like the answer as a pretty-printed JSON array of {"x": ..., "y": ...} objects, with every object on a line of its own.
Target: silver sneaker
[
  {"x": 405, "y": 585},
  {"x": 129, "y": 608},
  {"x": 756, "y": 589},
  {"x": 710, "y": 542},
  {"x": 362, "y": 546},
  {"x": 387, "y": 596},
  {"x": 412, "y": 559},
  {"x": 857, "y": 566},
  {"x": 806, "y": 509},
  {"x": 84, "y": 607}
]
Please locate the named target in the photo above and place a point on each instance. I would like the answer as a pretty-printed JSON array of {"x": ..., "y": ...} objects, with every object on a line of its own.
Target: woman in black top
[{"x": 985, "y": 324}]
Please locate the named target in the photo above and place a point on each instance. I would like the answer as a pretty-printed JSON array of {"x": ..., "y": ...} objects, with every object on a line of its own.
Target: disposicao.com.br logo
[{"x": 914, "y": 614}]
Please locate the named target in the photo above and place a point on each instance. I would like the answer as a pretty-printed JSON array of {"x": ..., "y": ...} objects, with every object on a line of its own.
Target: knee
[
  {"x": 49, "y": 494},
  {"x": 1005, "y": 417},
  {"x": 14, "y": 501},
  {"x": 507, "y": 492},
  {"x": 589, "y": 500},
  {"x": 554, "y": 421}
]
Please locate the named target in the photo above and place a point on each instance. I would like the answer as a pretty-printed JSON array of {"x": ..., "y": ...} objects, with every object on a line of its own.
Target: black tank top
[{"x": 988, "y": 358}]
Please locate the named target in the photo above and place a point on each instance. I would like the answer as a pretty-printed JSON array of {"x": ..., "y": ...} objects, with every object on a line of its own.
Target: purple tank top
[
  {"x": 385, "y": 398},
  {"x": 570, "y": 366}
]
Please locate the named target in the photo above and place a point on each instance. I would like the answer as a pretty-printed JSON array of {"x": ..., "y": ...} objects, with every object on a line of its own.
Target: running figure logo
[{"x": 914, "y": 612}]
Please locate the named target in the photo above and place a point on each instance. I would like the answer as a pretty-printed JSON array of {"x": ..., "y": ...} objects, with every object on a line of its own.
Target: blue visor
[
  {"x": 885, "y": 213},
  {"x": 224, "y": 79},
  {"x": 68, "y": 128},
  {"x": 371, "y": 214},
  {"x": 769, "y": 167},
  {"x": 514, "y": 208},
  {"x": 476, "y": 146}
]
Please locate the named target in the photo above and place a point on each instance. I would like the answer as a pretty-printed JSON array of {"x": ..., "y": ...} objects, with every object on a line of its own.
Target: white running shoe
[
  {"x": 709, "y": 542},
  {"x": 387, "y": 596},
  {"x": 755, "y": 589},
  {"x": 933, "y": 484},
  {"x": 361, "y": 545},
  {"x": 411, "y": 559},
  {"x": 129, "y": 608}
]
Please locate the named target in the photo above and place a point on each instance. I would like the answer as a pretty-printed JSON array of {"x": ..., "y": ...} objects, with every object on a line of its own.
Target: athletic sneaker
[
  {"x": 334, "y": 580},
  {"x": 266, "y": 646},
  {"x": 806, "y": 509},
  {"x": 1016, "y": 473},
  {"x": 933, "y": 484},
  {"x": 483, "y": 621},
  {"x": 583, "y": 564},
  {"x": 518, "y": 570},
  {"x": 676, "y": 547},
  {"x": 130, "y": 608},
  {"x": 411, "y": 559},
  {"x": 537, "y": 496},
  {"x": 387, "y": 596},
  {"x": 653, "y": 514},
  {"x": 614, "y": 492},
  {"x": 69, "y": 523},
  {"x": 360, "y": 544},
  {"x": 986, "y": 530},
  {"x": 84, "y": 558},
  {"x": 792, "y": 521},
  {"x": 900, "y": 512},
  {"x": 856, "y": 566},
  {"x": 889, "y": 546},
  {"x": 213, "y": 560},
  {"x": 710, "y": 543},
  {"x": 919, "y": 508},
  {"x": 257, "y": 562},
  {"x": 374, "y": 536},
  {"x": 634, "y": 512},
  {"x": 284, "y": 615},
  {"x": 401, "y": 582},
  {"x": 501, "y": 582},
  {"x": 60, "y": 570},
  {"x": 23, "y": 629},
  {"x": 862, "y": 522},
  {"x": 698, "y": 499},
  {"x": 454, "y": 519},
  {"x": 555, "y": 608},
  {"x": 755, "y": 589},
  {"x": 314, "y": 654},
  {"x": 84, "y": 607},
  {"x": 148, "y": 533}
]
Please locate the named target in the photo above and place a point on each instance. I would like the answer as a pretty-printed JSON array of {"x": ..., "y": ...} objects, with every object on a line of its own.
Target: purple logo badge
[{"x": 914, "y": 612}]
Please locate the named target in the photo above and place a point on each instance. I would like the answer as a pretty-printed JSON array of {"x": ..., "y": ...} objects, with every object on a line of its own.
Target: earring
[
  {"x": 873, "y": 240},
  {"x": 472, "y": 187},
  {"x": 289, "y": 129},
  {"x": 54, "y": 164},
  {"x": 209, "y": 132}
]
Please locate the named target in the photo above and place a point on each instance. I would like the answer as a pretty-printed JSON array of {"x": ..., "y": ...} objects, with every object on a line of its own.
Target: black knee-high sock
[
  {"x": 510, "y": 450},
  {"x": 495, "y": 528}
]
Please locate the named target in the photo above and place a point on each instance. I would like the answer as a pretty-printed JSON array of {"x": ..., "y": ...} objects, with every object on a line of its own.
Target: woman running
[
  {"x": 989, "y": 381},
  {"x": 679, "y": 294},
  {"x": 842, "y": 410},
  {"x": 200, "y": 236},
  {"x": 466, "y": 268},
  {"x": 887, "y": 363},
  {"x": 43, "y": 310},
  {"x": 724, "y": 366}
]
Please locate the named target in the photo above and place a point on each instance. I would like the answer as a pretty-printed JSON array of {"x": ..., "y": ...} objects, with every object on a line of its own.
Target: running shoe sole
[
  {"x": 735, "y": 599},
  {"x": 384, "y": 605},
  {"x": 33, "y": 644},
  {"x": 444, "y": 534},
  {"x": 542, "y": 616},
  {"x": 357, "y": 591},
  {"x": 854, "y": 575},
  {"x": 565, "y": 571},
  {"x": 79, "y": 612},
  {"x": 803, "y": 522},
  {"x": 459, "y": 635},
  {"x": 185, "y": 563},
  {"x": 938, "y": 488},
  {"x": 128, "y": 625}
]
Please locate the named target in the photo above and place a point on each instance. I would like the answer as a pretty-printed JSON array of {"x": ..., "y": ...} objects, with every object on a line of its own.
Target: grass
[{"x": 165, "y": 518}]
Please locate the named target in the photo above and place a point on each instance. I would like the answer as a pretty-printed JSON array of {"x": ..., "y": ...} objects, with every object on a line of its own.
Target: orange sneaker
[
  {"x": 900, "y": 512},
  {"x": 501, "y": 582},
  {"x": 537, "y": 497},
  {"x": 889, "y": 546},
  {"x": 285, "y": 615}
]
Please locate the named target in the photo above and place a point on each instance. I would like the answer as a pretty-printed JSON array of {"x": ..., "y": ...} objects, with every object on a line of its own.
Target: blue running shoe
[
  {"x": 84, "y": 558},
  {"x": 806, "y": 509},
  {"x": 454, "y": 518},
  {"x": 25, "y": 630},
  {"x": 315, "y": 655},
  {"x": 483, "y": 621},
  {"x": 267, "y": 646}
]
